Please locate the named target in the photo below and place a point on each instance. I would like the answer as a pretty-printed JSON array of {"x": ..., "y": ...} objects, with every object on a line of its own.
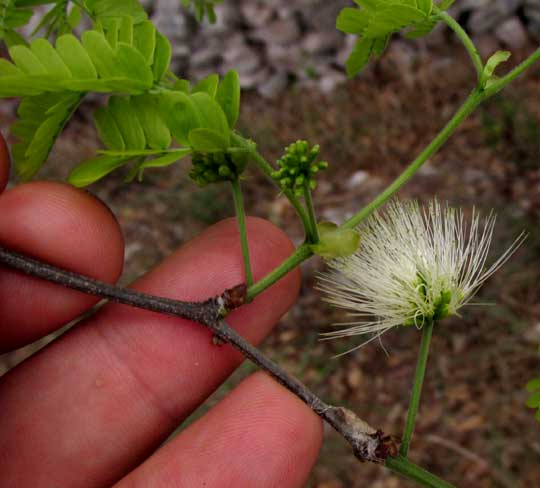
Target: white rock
[
  {"x": 274, "y": 86},
  {"x": 534, "y": 29},
  {"x": 330, "y": 80},
  {"x": 491, "y": 15},
  {"x": 357, "y": 179},
  {"x": 253, "y": 80},
  {"x": 486, "y": 45},
  {"x": 284, "y": 57},
  {"x": 209, "y": 55},
  {"x": 282, "y": 31},
  {"x": 512, "y": 33},
  {"x": 532, "y": 11},
  {"x": 257, "y": 14},
  {"x": 321, "y": 42},
  {"x": 245, "y": 62}
]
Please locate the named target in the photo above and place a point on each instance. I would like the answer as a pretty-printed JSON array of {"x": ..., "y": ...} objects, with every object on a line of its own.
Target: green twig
[
  {"x": 411, "y": 471},
  {"x": 471, "y": 103},
  {"x": 416, "y": 393},
  {"x": 267, "y": 169},
  {"x": 474, "y": 99},
  {"x": 314, "y": 232},
  {"x": 241, "y": 217},
  {"x": 466, "y": 40},
  {"x": 302, "y": 253}
]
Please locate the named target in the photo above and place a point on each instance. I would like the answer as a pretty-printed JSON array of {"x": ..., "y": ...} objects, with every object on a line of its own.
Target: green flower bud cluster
[
  {"x": 299, "y": 166},
  {"x": 216, "y": 167}
]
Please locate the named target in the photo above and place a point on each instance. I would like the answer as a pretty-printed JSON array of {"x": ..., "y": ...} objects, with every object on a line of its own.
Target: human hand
[{"x": 91, "y": 408}]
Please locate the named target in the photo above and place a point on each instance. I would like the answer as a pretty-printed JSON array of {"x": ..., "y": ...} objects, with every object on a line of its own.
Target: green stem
[
  {"x": 302, "y": 253},
  {"x": 466, "y": 40},
  {"x": 241, "y": 217},
  {"x": 267, "y": 169},
  {"x": 409, "y": 470},
  {"x": 416, "y": 393},
  {"x": 474, "y": 99},
  {"x": 314, "y": 233},
  {"x": 83, "y": 8}
]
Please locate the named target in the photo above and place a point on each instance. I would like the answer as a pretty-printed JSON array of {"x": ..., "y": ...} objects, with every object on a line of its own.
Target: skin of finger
[
  {"x": 260, "y": 435},
  {"x": 113, "y": 389},
  {"x": 4, "y": 164},
  {"x": 65, "y": 227}
]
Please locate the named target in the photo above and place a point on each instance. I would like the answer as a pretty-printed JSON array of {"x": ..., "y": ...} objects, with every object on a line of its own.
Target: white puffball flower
[{"x": 413, "y": 265}]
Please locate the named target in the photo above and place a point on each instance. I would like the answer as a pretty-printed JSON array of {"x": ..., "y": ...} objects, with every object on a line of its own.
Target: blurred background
[{"x": 474, "y": 429}]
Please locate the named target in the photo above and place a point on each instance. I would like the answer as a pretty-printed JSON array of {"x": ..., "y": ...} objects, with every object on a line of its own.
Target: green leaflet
[
  {"x": 132, "y": 124},
  {"x": 55, "y": 20},
  {"x": 162, "y": 56},
  {"x": 446, "y": 4},
  {"x": 392, "y": 19},
  {"x": 41, "y": 119},
  {"x": 181, "y": 114},
  {"x": 102, "y": 10},
  {"x": 76, "y": 58},
  {"x": 202, "y": 8},
  {"x": 533, "y": 387},
  {"x": 108, "y": 129},
  {"x": 211, "y": 114},
  {"x": 368, "y": 4},
  {"x": 50, "y": 58},
  {"x": 186, "y": 112},
  {"x": 132, "y": 128},
  {"x": 124, "y": 58},
  {"x": 144, "y": 40},
  {"x": 133, "y": 66},
  {"x": 64, "y": 15},
  {"x": 422, "y": 29},
  {"x": 125, "y": 116},
  {"x": 93, "y": 170},
  {"x": 208, "y": 85},
  {"x": 166, "y": 160},
  {"x": 11, "y": 17},
  {"x": 27, "y": 61},
  {"x": 376, "y": 20},
  {"x": 360, "y": 55},
  {"x": 228, "y": 96},
  {"x": 352, "y": 21},
  {"x": 207, "y": 140},
  {"x": 158, "y": 135}
]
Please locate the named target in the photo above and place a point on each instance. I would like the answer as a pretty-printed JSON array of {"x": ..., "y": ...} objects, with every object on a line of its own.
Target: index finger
[{"x": 106, "y": 394}]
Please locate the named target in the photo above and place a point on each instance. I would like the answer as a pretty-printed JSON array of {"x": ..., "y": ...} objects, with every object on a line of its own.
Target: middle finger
[{"x": 93, "y": 405}]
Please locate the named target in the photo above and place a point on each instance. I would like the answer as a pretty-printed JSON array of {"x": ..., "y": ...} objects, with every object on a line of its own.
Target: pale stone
[
  {"x": 321, "y": 42},
  {"x": 283, "y": 31},
  {"x": 274, "y": 86},
  {"x": 512, "y": 33},
  {"x": 257, "y": 14}
]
